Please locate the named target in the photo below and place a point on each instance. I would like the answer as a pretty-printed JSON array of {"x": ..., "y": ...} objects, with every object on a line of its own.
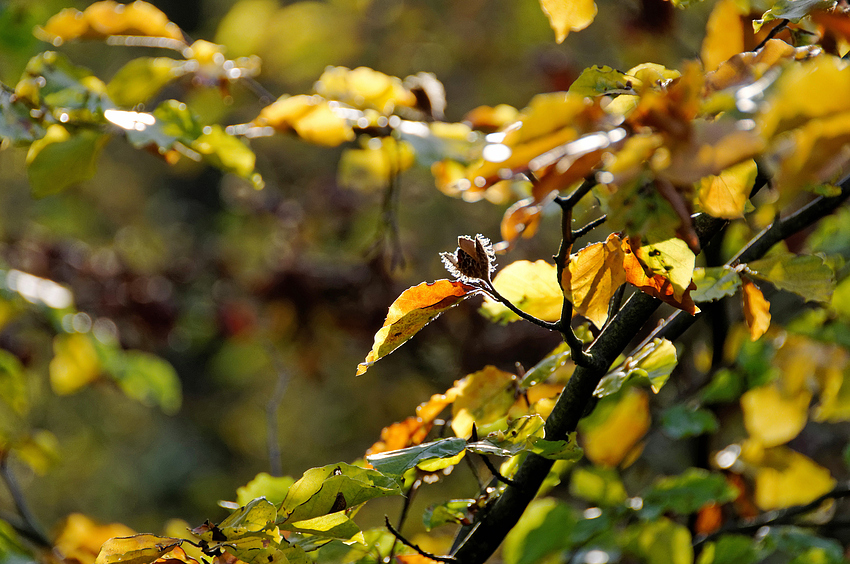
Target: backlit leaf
[
  {"x": 61, "y": 159},
  {"x": 364, "y": 88},
  {"x": 686, "y": 493},
  {"x": 595, "y": 81},
  {"x": 13, "y": 383},
  {"x": 273, "y": 488},
  {"x": 482, "y": 398},
  {"x": 255, "y": 516},
  {"x": 146, "y": 378},
  {"x": 228, "y": 153},
  {"x": 16, "y": 123},
  {"x": 334, "y": 525},
  {"x": 724, "y": 35},
  {"x": 410, "y": 312},
  {"x": 540, "y": 532},
  {"x": 609, "y": 435},
  {"x": 568, "y": 15},
  {"x": 714, "y": 283},
  {"x": 655, "y": 362},
  {"x": 807, "y": 276},
  {"x": 730, "y": 549},
  {"x": 785, "y": 478},
  {"x": 672, "y": 259},
  {"x": 138, "y": 549},
  {"x": 106, "y": 18},
  {"x": 526, "y": 434},
  {"x": 321, "y": 491},
  {"x": 601, "y": 486},
  {"x": 397, "y": 462},
  {"x": 141, "y": 79},
  {"x": 448, "y": 512},
  {"x": 655, "y": 285},
  {"x": 662, "y": 542},
  {"x": 75, "y": 363},
  {"x": 308, "y": 116},
  {"x": 793, "y": 10},
  {"x": 756, "y": 310},
  {"x": 531, "y": 286},
  {"x": 725, "y": 196},
  {"x": 774, "y": 418},
  {"x": 592, "y": 277},
  {"x": 81, "y": 538}
]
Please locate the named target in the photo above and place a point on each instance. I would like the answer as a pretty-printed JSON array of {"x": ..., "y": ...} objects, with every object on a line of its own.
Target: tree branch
[
  {"x": 496, "y": 521},
  {"x": 27, "y": 526}
]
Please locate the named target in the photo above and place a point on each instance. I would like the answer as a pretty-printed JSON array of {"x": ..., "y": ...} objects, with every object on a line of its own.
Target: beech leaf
[
  {"x": 773, "y": 417},
  {"x": 481, "y": 398},
  {"x": 310, "y": 117},
  {"x": 593, "y": 276},
  {"x": 756, "y": 310},
  {"x": 611, "y": 433},
  {"x": 724, "y": 35},
  {"x": 531, "y": 286},
  {"x": 106, "y": 18},
  {"x": 656, "y": 285},
  {"x": 793, "y": 10},
  {"x": 785, "y": 478},
  {"x": 452, "y": 511},
  {"x": 568, "y": 15},
  {"x": 138, "y": 549},
  {"x": 655, "y": 362},
  {"x": 415, "y": 308},
  {"x": 672, "y": 259},
  {"x": 714, "y": 283},
  {"x": 725, "y": 195},
  {"x": 59, "y": 159},
  {"x": 686, "y": 493},
  {"x": 807, "y": 276},
  {"x": 396, "y": 463}
]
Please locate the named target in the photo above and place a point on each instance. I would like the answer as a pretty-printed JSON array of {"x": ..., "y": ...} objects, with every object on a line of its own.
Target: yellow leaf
[
  {"x": 725, "y": 196},
  {"x": 655, "y": 284},
  {"x": 592, "y": 276},
  {"x": 81, "y": 538},
  {"x": 415, "y": 308},
  {"x": 671, "y": 259},
  {"x": 364, "y": 88},
  {"x": 481, "y": 398},
  {"x": 785, "y": 478},
  {"x": 75, "y": 363},
  {"x": 756, "y": 310},
  {"x": 138, "y": 549},
  {"x": 608, "y": 442},
  {"x": 724, "y": 34},
  {"x": 531, "y": 286},
  {"x": 103, "y": 19},
  {"x": 310, "y": 117},
  {"x": 772, "y": 417},
  {"x": 568, "y": 15}
]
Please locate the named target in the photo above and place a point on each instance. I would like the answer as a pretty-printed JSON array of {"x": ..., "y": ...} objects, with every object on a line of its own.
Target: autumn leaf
[
  {"x": 756, "y": 310},
  {"x": 609, "y": 434},
  {"x": 568, "y": 15},
  {"x": 310, "y": 117},
  {"x": 671, "y": 259},
  {"x": 81, "y": 539},
  {"x": 808, "y": 276},
  {"x": 103, "y": 19},
  {"x": 364, "y": 88},
  {"x": 531, "y": 286},
  {"x": 725, "y": 195},
  {"x": 715, "y": 283},
  {"x": 481, "y": 398},
  {"x": 138, "y": 549},
  {"x": 592, "y": 276},
  {"x": 724, "y": 36},
  {"x": 784, "y": 477},
  {"x": 415, "y": 308},
  {"x": 773, "y": 417}
]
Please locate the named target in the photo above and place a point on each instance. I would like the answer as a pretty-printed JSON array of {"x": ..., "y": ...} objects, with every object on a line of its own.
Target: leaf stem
[{"x": 416, "y": 547}]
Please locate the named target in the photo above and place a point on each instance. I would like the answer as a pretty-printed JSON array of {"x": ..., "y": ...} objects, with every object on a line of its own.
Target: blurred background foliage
[{"x": 260, "y": 296}]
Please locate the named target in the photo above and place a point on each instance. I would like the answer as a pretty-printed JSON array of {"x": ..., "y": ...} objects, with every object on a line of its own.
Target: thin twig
[
  {"x": 405, "y": 508},
  {"x": 773, "y": 33},
  {"x": 28, "y": 525},
  {"x": 416, "y": 547},
  {"x": 582, "y": 231},
  {"x": 498, "y": 475}
]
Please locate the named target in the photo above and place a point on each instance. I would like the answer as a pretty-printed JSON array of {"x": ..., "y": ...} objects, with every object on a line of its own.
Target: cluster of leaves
[{"x": 663, "y": 158}]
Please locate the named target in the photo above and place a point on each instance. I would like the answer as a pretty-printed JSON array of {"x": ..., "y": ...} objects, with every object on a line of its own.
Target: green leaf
[
  {"x": 730, "y": 549},
  {"x": 331, "y": 488},
  {"x": 147, "y": 379},
  {"x": 61, "y": 159},
  {"x": 525, "y": 434},
  {"x": 173, "y": 123},
  {"x": 714, "y": 283},
  {"x": 448, "y": 512},
  {"x": 655, "y": 362},
  {"x": 52, "y": 79},
  {"x": 140, "y": 79},
  {"x": 397, "y": 462},
  {"x": 793, "y": 10},
  {"x": 804, "y": 546},
  {"x": 257, "y": 515},
  {"x": 546, "y": 367},
  {"x": 226, "y": 152},
  {"x": 336, "y": 525},
  {"x": 807, "y": 276},
  {"x": 598, "y": 485},
  {"x": 13, "y": 387},
  {"x": 595, "y": 81},
  {"x": 661, "y": 542},
  {"x": 138, "y": 549},
  {"x": 686, "y": 493},
  {"x": 681, "y": 421},
  {"x": 540, "y": 532},
  {"x": 273, "y": 488},
  {"x": 16, "y": 123}
]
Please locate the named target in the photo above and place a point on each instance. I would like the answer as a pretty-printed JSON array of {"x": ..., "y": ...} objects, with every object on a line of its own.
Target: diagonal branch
[{"x": 497, "y": 520}]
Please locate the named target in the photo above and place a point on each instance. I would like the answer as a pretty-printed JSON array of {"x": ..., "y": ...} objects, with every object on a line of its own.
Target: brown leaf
[
  {"x": 592, "y": 276},
  {"x": 410, "y": 312},
  {"x": 756, "y": 310}
]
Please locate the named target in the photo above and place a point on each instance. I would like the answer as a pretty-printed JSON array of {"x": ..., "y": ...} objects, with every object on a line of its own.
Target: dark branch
[
  {"x": 27, "y": 526},
  {"x": 496, "y": 473},
  {"x": 497, "y": 520}
]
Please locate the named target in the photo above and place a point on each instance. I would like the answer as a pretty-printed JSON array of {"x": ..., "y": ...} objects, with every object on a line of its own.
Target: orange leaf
[
  {"x": 656, "y": 285},
  {"x": 756, "y": 310},
  {"x": 410, "y": 312},
  {"x": 592, "y": 276},
  {"x": 104, "y": 19},
  {"x": 413, "y": 430}
]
